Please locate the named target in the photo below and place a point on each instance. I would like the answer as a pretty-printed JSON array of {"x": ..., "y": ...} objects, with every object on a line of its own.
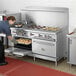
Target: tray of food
[
  {"x": 51, "y": 28},
  {"x": 24, "y": 41}
]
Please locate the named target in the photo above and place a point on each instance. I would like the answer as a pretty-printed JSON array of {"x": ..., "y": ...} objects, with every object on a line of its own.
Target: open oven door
[
  {"x": 17, "y": 51},
  {"x": 21, "y": 48}
]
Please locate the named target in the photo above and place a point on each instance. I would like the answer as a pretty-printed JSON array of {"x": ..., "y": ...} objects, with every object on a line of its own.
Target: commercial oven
[
  {"x": 48, "y": 45},
  {"x": 24, "y": 44}
]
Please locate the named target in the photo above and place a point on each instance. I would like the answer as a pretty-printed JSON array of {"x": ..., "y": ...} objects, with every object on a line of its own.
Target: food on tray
[
  {"x": 53, "y": 28},
  {"x": 24, "y": 41},
  {"x": 50, "y": 28}
]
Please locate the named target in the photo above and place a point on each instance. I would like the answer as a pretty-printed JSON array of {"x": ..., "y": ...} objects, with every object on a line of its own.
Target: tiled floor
[{"x": 62, "y": 64}]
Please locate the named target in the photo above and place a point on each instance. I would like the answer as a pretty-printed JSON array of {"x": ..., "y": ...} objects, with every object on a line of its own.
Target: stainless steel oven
[{"x": 24, "y": 44}]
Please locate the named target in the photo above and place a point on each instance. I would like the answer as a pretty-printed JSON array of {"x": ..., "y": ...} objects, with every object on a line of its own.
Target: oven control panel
[
  {"x": 19, "y": 32},
  {"x": 45, "y": 36},
  {"x": 36, "y": 35}
]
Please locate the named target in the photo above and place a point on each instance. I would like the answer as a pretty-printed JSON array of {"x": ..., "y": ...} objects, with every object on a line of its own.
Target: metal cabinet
[
  {"x": 72, "y": 50},
  {"x": 49, "y": 48},
  {"x": 46, "y": 45},
  {"x": 43, "y": 47}
]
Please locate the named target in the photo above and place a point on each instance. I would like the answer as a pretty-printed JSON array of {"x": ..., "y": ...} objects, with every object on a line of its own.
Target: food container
[{"x": 18, "y": 25}]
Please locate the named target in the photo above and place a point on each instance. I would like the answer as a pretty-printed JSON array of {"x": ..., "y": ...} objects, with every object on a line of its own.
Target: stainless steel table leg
[
  {"x": 56, "y": 63},
  {"x": 34, "y": 58},
  {"x": 70, "y": 66}
]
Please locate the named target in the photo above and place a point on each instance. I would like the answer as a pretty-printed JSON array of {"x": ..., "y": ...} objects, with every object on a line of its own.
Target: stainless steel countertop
[
  {"x": 38, "y": 30},
  {"x": 41, "y": 30}
]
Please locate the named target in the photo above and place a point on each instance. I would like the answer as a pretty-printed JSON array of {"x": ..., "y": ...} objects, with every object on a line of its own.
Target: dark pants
[{"x": 2, "y": 54}]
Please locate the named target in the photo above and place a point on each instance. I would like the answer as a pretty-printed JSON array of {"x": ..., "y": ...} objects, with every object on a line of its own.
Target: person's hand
[
  {"x": 14, "y": 41},
  {"x": 10, "y": 37}
]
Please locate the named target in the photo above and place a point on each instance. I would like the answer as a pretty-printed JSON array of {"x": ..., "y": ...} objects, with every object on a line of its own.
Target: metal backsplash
[{"x": 46, "y": 17}]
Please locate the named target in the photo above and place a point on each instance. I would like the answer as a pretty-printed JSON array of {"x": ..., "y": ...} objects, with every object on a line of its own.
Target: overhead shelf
[{"x": 46, "y": 9}]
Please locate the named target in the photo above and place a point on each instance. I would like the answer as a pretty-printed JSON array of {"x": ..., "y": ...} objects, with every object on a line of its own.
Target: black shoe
[{"x": 3, "y": 63}]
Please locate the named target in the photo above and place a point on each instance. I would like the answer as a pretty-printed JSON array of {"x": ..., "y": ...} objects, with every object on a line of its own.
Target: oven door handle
[{"x": 44, "y": 43}]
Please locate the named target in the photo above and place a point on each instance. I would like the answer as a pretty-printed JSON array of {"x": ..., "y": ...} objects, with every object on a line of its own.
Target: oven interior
[{"x": 23, "y": 43}]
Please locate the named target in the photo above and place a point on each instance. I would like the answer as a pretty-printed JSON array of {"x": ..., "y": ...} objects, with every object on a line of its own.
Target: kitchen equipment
[
  {"x": 72, "y": 48},
  {"x": 38, "y": 43},
  {"x": 18, "y": 24},
  {"x": 47, "y": 31},
  {"x": 24, "y": 44},
  {"x": 47, "y": 45}
]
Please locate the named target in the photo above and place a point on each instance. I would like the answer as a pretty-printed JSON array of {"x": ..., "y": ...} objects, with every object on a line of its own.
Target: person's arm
[
  {"x": 7, "y": 31},
  {"x": 8, "y": 34}
]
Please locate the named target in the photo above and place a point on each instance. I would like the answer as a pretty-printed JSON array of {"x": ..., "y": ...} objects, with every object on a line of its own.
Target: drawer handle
[{"x": 42, "y": 49}]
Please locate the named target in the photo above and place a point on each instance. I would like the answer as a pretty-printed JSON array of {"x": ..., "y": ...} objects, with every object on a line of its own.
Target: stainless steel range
[
  {"x": 24, "y": 44},
  {"x": 48, "y": 41},
  {"x": 47, "y": 44},
  {"x": 38, "y": 43}
]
